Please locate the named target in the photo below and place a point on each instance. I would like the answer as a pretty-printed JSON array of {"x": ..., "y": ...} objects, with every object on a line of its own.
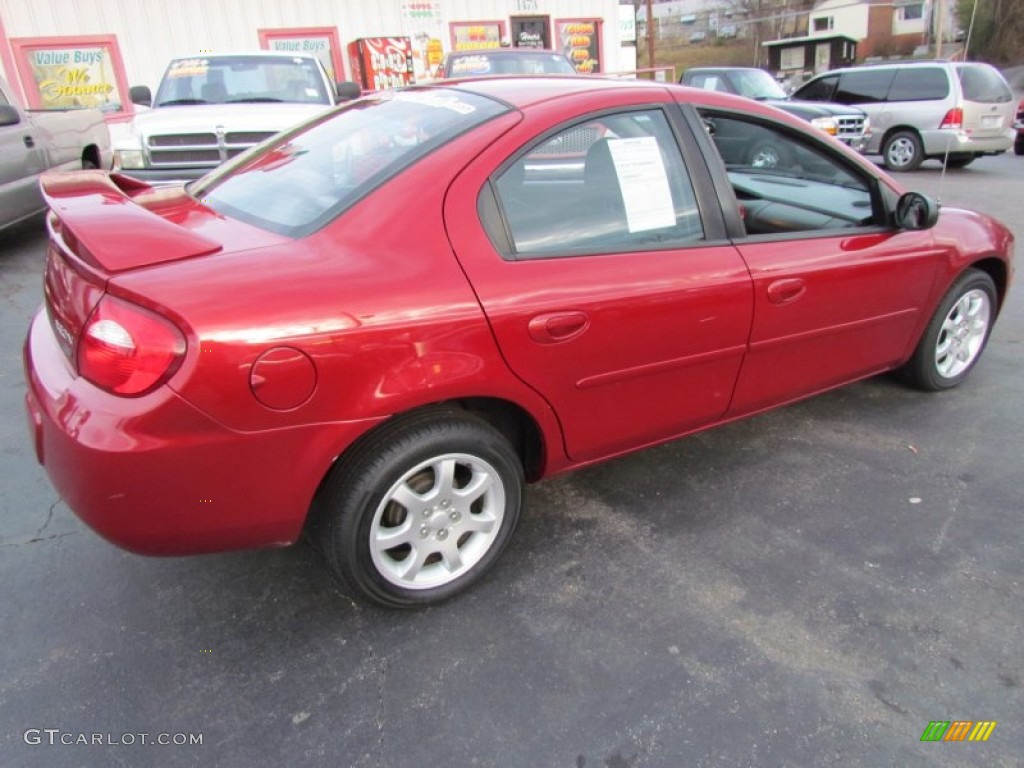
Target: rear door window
[
  {"x": 616, "y": 183},
  {"x": 864, "y": 87},
  {"x": 920, "y": 84}
]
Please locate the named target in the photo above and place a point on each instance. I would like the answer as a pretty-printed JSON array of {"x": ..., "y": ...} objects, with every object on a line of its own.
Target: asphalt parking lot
[{"x": 810, "y": 587}]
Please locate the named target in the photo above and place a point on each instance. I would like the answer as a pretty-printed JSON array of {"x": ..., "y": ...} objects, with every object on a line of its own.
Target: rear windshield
[
  {"x": 756, "y": 84},
  {"x": 984, "y": 84},
  {"x": 518, "y": 63},
  {"x": 240, "y": 79},
  {"x": 310, "y": 175}
]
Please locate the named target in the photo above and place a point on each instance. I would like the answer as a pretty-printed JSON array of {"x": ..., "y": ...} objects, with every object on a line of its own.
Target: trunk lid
[
  {"x": 99, "y": 222},
  {"x": 102, "y": 225}
]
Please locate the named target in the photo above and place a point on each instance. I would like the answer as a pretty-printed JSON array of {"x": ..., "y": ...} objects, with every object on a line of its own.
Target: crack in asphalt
[
  {"x": 49, "y": 519},
  {"x": 38, "y": 537}
]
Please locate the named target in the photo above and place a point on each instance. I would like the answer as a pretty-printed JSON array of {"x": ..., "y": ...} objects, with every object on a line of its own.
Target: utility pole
[{"x": 650, "y": 35}]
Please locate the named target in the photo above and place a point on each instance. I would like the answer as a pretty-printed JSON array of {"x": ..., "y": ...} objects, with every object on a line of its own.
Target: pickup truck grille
[
  {"x": 200, "y": 149},
  {"x": 850, "y": 126}
]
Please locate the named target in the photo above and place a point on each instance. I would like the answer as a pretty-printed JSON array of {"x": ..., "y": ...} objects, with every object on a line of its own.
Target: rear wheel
[
  {"x": 956, "y": 336},
  {"x": 421, "y": 510},
  {"x": 1018, "y": 147},
  {"x": 959, "y": 161},
  {"x": 902, "y": 151}
]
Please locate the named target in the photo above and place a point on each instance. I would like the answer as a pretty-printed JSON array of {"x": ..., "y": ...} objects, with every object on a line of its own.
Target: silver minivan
[{"x": 924, "y": 109}]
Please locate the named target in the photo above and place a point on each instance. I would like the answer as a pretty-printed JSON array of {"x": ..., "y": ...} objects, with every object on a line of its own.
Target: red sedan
[{"x": 376, "y": 327}]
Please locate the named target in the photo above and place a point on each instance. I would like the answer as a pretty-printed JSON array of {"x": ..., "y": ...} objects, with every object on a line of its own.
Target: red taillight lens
[
  {"x": 953, "y": 119},
  {"x": 128, "y": 350}
]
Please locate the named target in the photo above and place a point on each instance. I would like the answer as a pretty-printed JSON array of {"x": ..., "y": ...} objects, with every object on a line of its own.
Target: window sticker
[
  {"x": 643, "y": 182},
  {"x": 438, "y": 101},
  {"x": 188, "y": 68},
  {"x": 471, "y": 65}
]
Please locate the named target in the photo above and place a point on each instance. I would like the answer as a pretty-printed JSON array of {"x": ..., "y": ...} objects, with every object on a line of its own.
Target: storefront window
[
  {"x": 71, "y": 72},
  {"x": 474, "y": 35},
  {"x": 322, "y": 42},
  {"x": 580, "y": 41}
]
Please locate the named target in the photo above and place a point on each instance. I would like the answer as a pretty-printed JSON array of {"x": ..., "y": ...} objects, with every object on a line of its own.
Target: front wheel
[
  {"x": 421, "y": 510},
  {"x": 956, "y": 336},
  {"x": 902, "y": 151}
]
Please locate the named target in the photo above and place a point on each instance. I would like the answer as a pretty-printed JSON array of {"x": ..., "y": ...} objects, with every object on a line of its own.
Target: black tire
[
  {"x": 902, "y": 151},
  {"x": 956, "y": 335},
  {"x": 394, "y": 486},
  {"x": 1018, "y": 147},
  {"x": 959, "y": 161},
  {"x": 767, "y": 154}
]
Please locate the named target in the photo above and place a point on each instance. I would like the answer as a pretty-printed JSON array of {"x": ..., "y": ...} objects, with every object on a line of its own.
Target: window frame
[
  {"x": 495, "y": 221},
  {"x": 881, "y": 202}
]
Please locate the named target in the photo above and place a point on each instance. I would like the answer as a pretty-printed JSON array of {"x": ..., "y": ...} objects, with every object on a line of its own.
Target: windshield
[
  {"x": 309, "y": 175},
  {"x": 518, "y": 63},
  {"x": 230, "y": 79},
  {"x": 756, "y": 84}
]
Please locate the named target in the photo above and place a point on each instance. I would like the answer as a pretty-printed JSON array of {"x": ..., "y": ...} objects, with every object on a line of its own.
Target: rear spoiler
[{"x": 110, "y": 229}]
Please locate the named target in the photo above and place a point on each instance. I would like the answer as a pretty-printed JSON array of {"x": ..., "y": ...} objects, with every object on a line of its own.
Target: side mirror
[
  {"x": 346, "y": 90},
  {"x": 140, "y": 94},
  {"x": 916, "y": 211},
  {"x": 9, "y": 115}
]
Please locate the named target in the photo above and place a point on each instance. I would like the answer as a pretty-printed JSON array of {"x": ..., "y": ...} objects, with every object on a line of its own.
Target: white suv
[{"x": 950, "y": 111}]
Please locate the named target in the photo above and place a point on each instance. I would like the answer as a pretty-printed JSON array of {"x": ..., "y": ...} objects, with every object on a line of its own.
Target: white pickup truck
[
  {"x": 35, "y": 141},
  {"x": 211, "y": 107}
]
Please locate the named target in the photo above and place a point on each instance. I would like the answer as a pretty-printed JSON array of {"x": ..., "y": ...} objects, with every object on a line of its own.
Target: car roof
[
  {"x": 262, "y": 53},
  {"x": 502, "y": 51},
  {"x": 525, "y": 90},
  {"x": 719, "y": 69}
]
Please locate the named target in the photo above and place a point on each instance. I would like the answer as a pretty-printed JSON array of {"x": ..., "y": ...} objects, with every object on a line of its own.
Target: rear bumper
[
  {"x": 156, "y": 476},
  {"x": 935, "y": 143}
]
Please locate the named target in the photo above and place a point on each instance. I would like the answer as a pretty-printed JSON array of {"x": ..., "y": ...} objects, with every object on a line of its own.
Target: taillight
[
  {"x": 128, "y": 350},
  {"x": 954, "y": 119}
]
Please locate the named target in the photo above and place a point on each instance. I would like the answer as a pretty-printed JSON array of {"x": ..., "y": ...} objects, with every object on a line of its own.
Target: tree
[{"x": 997, "y": 35}]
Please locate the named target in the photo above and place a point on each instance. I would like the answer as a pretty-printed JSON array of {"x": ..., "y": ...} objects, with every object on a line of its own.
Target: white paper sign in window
[{"x": 644, "y": 183}]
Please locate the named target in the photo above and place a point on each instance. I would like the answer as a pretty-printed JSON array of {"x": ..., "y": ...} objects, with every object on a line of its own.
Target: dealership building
[{"x": 64, "y": 53}]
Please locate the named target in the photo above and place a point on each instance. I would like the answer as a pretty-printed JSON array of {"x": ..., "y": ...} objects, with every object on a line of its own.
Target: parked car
[
  {"x": 1018, "y": 141},
  {"x": 848, "y": 124},
  {"x": 949, "y": 111},
  {"x": 376, "y": 327},
  {"x": 212, "y": 107},
  {"x": 505, "y": 61},
  {"x": 33, "y": 141}
]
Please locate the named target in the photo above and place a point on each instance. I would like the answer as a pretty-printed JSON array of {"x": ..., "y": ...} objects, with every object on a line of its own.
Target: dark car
[
  {"x": 1018, "y": 141},
  {"x": 376, "y": 327},
  {"x": 848, "y": 124},
  {"x": 505, "y": 61}
]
